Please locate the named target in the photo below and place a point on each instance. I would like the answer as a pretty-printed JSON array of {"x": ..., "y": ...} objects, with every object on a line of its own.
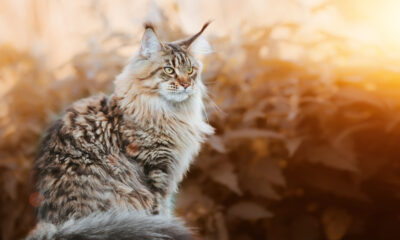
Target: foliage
[{"x": 301, "y": 151}]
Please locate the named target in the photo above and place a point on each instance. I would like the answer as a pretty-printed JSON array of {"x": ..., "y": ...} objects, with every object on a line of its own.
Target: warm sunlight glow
[
  {"x": 386, "y": 15},
  {"x": 304, "y": 97},
  {"x": 380, "y": 18}
]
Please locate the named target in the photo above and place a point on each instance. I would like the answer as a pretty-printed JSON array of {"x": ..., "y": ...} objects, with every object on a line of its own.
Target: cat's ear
[
  {"x": 196, "y": 43},
  {"x": 150, "y": 43},
  {"x": 200, "y": 46}
]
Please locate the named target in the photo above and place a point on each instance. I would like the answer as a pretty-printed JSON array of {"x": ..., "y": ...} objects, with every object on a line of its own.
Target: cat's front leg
[
  {"x": 160, "y": 180},
  {"x": 160, "y": 205}
]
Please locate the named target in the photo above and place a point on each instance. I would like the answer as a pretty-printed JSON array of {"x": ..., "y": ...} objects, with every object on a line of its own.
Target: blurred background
[{"x": 304, "y": 95}]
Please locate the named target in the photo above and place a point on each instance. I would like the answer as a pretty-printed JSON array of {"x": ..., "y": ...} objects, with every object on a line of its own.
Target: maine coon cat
[{"x": 108, "y": 167}]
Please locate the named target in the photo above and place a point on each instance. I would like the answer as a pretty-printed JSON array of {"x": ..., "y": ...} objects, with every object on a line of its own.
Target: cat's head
[{"x": 166, "y": 70}]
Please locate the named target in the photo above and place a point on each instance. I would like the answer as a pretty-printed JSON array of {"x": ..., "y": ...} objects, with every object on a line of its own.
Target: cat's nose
[
  {"x": 184, "y": 82},
  {"x": 185, "y": 85}
]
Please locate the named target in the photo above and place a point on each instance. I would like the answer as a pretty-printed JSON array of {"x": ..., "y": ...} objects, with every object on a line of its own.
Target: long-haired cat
[{"x": 108, "y": 167}]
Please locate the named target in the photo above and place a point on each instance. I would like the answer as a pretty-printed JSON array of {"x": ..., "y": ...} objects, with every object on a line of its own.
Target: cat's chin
[{"x": 176, "y": 97}]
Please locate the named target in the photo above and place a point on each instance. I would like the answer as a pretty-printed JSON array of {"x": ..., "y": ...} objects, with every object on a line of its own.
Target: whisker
[
  {"x": 215, "y": 107},
  {"x": 206, "y": 115}
]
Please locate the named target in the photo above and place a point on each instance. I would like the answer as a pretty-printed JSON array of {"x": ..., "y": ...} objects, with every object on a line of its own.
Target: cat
[{"x": 108, "y": 167}]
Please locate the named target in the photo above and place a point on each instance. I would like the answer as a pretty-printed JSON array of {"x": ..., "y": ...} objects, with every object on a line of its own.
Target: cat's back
[
  {"x": 83, "y": 128},
  {"x": 80, "y": 169}
]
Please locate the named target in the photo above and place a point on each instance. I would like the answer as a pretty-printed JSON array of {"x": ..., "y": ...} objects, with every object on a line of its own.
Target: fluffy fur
[
  {"x": 113, "y": 225},
  {"x": 127, "y": 151}
]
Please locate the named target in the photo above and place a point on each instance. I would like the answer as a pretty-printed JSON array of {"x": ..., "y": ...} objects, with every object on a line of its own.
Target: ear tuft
[
  {"x": 150, "y": 43},
  {"x": 187, "y": 42}
]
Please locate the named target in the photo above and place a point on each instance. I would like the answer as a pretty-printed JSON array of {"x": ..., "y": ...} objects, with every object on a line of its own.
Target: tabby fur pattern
[{"x": 110, "y": 164}]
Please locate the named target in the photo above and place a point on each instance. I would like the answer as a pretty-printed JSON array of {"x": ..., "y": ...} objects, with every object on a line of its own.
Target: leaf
[
  {"x": 393, "y": 123},
  {"x": 340, "y": 138},
  {"x": 224, "y": 174},
  {"x": 331, "y": 181},
  {"x": 220, "y": 224},
  {"x": 336, "y": 223},
  {"x": 265, "y": 190},
  {"x": 292, "y": 144},
  {"x": 9, "y": 185},
  {"x": 339, "y": 158},
  {"x": 248, "y": 211},
  {"x": 352, "y": 95},
  {"x": 261, "y": 176},
  {"x": 192, "y": 203},
  {"x": 251, "y": 133},
  {"x": 305, "y": 227},
  {"x": 260, "y": 147}
]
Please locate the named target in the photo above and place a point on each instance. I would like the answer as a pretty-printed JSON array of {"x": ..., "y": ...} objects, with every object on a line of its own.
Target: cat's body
[{"x": 118, "y": 159}]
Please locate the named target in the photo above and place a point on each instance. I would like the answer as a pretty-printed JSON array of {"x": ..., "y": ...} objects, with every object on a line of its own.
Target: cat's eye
[
  {"x": 189, "y": 70},
  {"x": 169, "y": 70}
]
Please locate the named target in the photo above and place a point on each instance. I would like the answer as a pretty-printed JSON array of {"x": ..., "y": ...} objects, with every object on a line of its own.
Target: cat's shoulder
[
  {"x": 90, "y": 104},
  {"x": 79, "y": 116},
  {"x": 95, "y": 108}
]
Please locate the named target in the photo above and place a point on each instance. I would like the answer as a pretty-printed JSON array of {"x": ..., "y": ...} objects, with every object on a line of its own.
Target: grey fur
[{"x": 114, "y": 224}]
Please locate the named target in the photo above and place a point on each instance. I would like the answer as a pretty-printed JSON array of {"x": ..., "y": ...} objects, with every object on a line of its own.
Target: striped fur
[{"x": 127, "y": 151}]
